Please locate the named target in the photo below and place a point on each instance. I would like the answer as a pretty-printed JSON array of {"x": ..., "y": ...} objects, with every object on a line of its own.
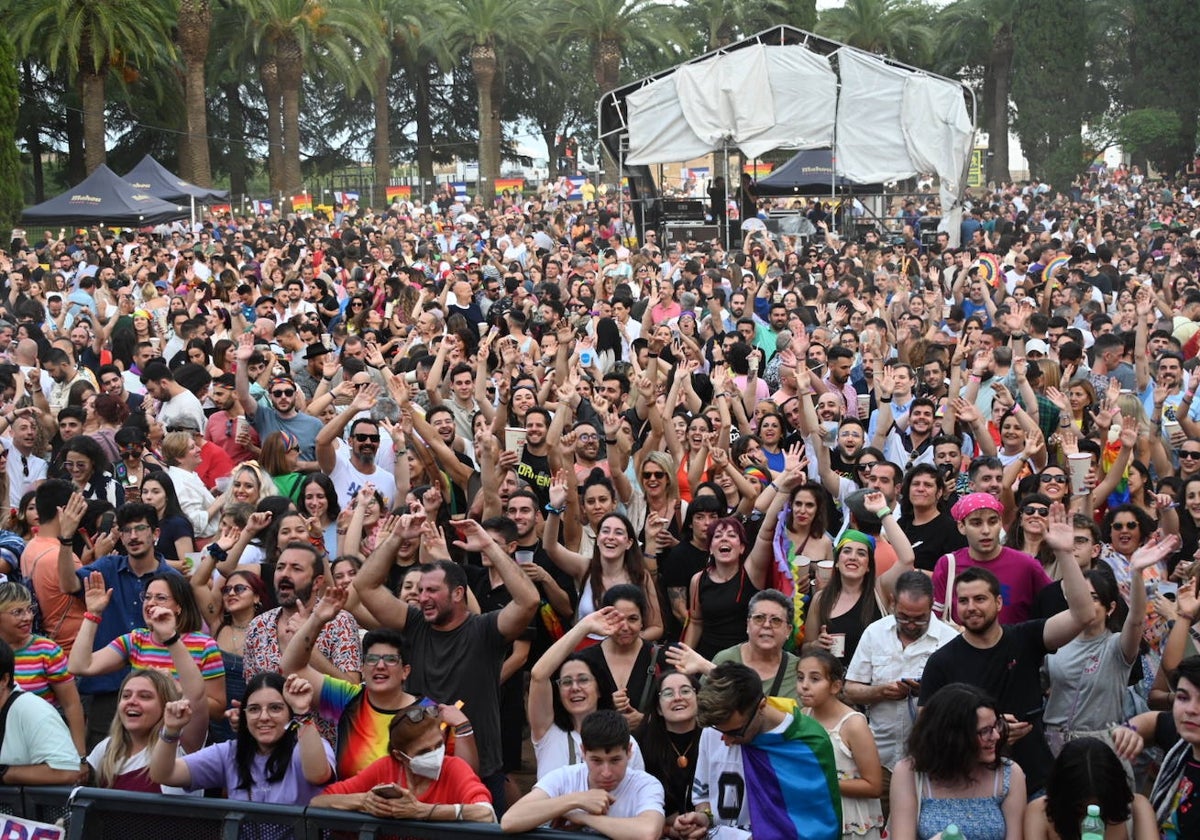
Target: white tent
[{"x": 885, "y": 121}]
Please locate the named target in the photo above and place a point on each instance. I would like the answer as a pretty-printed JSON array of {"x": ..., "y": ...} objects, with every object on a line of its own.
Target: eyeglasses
[
  {"x": 1052, "y": 479},
  {"x": 416, "y": 714},
  {"x": 389, "y": 659},
  {"x": 236, "y": 589},
  {"x": 682, "y": 691},
  {"x": 583, "y": 681},
  {"x": 20, "y": 612},
  {"x": 77, "y": 465},
  {"x": 356, "y": 305},
  {"x": 995, "y": 729},
  {"x": 741, "y": 730},
  {"x": 911, "y": 620},
  {"x": 1189, "y": 454},
  {"x": 1124, "y": 526},
  {"x": 283, "y": 392},
  {"x": 764, "y": 620},
  {"x": 158, "y": 598},
  {"x": 364, "y": 438},
  {"x": 130, "y": 530},
  {"x": 272, "y": 709},
  {"x": 584, "y": 438},
  {"x": 655, "y": 476},
  {"x": 1035, "y": 510}
]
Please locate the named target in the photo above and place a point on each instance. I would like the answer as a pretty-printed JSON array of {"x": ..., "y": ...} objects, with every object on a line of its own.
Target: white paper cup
[
  {"x": 824, "y": 571},
  {"x": 1079, "y": 463},
  {"x": 802, "y": 571},
  {"x": 838, "y": 648},
  {"x": 1170, "y": 427}
]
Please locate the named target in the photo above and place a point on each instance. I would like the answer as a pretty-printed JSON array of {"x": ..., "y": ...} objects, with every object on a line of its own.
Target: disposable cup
[{"x": 1079, "y": 464}]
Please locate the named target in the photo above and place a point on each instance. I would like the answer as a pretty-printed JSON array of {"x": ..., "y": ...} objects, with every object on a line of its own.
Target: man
[
  {"x": 1109, "y": 363},
  {"x": 281, "y": 413},
  {"x": 308, "y": 377},
  {"x": 143, "y": 354},
  {"x": 788, "y": 787},
  {"x": 176, "y": 401},
  {"x": 228, "y": 427},
  {"x": 887, "y": 665},
  {"x": 351, "y": 472},
  {"x": 455, "y": 654},
  {"x": 557, "y": 586},
  {"x": 902, "y": 381},
  {"x": 113, "y": 384},
  {"x": 840, "y": 361},
  {"x": 601, "y": 795},
  {"x": 299, "y": 575},
  {"x": 26, "y": 469},
  {"x": 979, "y": 519},
  {"x": 65, "y": 373},
  {"x": 61, "y": 613},
  {"x": 37, "y": 747},
  {"x": 535, "y": 463},
  {"x": 1005, "y": 660},
  {"x": 462, "y": 402},
  {"x": 910, "y": 446},
  {"x": 127, "y": 576}
]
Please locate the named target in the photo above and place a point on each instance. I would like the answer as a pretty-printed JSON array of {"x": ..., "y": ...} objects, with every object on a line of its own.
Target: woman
[
  {"x": 26, "y": 524},
  {"x": 280, "y": 457},
  {"x": 176, "y": 537},
  {"x": 1174, "y": 795},
  {"x": 768, "y": 629},
  {"x": 134, "y": 462},
  {"x": 87, "y": 469},
  {"x": 111, "y": 412},
  {"x": 1088, "y": 772},
  {"x": 1125, "y": 529},
  {"x": 416, "y": 780},
  {"x": 563, "y": 690},
  {"x": 278, "y": 756},
  {"x": 251, "y": 484},
  {"x": 1029, "y": 533},
  {"x": 670, "y": 739},
  {"x": 365, "y": 520},
  {"x": 182, "y": 456},
  {"x": 930, "y": 530},
  {"x": 1088, "y": 675},
  {"x": 318, "y": 500},
  {"x": 42, "y": 665},
  {"x": 122, "y": 760},
  {"x": 170, "y": 611},
  {"x": 223, "y": 360},
  {"x": 624, "y": 662},
  {"x": 719, "y": 595},
  {"x": 615, "y": 559},
  {"x": 955, "y": 773}
]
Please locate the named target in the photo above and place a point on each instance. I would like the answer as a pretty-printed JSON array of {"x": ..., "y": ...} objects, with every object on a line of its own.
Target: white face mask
[{"x": 428, "y": 765}]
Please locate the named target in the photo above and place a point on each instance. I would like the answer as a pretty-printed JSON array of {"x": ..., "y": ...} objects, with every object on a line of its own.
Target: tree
[
  {"x": 195, "y": 25},
  {"x": 486, "y": 30},
  {"x": 898, "y": 29},
  {"x": 10, "y": 159},
  {"x": 1151, "y": 134},
  {"x": 721, "y": 22},
  {"x": 1164, "y": 72},
  {"x": 400, "y": 28},
  {"x": 550, "y": 95},
  {"x": 87, "y": 38}
]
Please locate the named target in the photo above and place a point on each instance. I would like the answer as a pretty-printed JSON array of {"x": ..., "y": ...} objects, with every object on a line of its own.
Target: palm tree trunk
[
  {"x": 76, "y": 167},
  {"x": 550, "y": 138},
  {"x": 1000, "y": 60},
  {"x": 91, "y": 92},
  {"x": 422, "y": 100},
  {"x": 33, "y": 139},
  {"x": 607, "y": 71},
  {"x": 195, "y": 23},
  {"x": 484, "y": 67},
  {"x": 236, "y": 160},
  {"x": 291, "y": 67},
  {"x": 383, "y": 145},
  {"x": 268, "y": 71}
]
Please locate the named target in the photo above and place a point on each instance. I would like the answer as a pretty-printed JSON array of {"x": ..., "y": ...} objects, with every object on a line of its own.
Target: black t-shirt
[
  {"x": 641, "y": 675},
  {"x": 675, "y": 571},
  {"x": 933, "y": 539},
  {"x": 1009, "y": 672},
  {"x": 535, "y": 469},
  {"x": 543, "y": 637}
]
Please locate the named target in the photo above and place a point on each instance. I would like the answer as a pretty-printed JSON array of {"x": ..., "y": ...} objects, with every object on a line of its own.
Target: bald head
[{"x": 27, "y": 352}]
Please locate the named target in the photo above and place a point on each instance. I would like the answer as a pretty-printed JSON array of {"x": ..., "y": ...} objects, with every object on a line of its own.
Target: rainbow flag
[
  {"x": 222, "y": 209},
  {"x": 791, "y": 780},
  {"x": 396, "y": 191},
  {"x": 302, "y": 203},
  {"x": 757, "y": 170},
  {"x": 509, "y": 184}
]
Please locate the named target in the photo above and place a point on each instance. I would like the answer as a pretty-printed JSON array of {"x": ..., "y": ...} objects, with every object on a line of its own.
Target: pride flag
[
  {"x": 397, "y": 191},
  {"x": 509, "y": 184},
  {"x": 302, "y": 203},
  {"x": 791, "y": 780}
]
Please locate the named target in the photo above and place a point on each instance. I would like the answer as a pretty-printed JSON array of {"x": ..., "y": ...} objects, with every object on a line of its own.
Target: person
[
  {"x": 351, "y": 471},
  {"x": 819, "y": 681},
  {"x": 318, "y": 499},
  {"x": 280, "y": 456},
  {"x": 36, "y": 747},
  {"x": 176, "y": 536},
  {"x": 415, "y": 779},
  {"x": 885, "y": 672},
  {"x": 61, "y": 612},
  {"x": 956, "y": 772},
  {"x": 1005, "y": 660},
  {"x": 87, "y": 468},
  {"x": 670, "y": 740},
  {"x": 176, "y": 401},
  {"x": 603, "y": 794},
  {"x": 455, "y": 655},
  {"x": 281, "y": 413},
  {"x": 556, "y": 714},
  {"x": 1177, "y": 788},
  {"x": 122, "y": 760},
  {"x": 624, "y": 663},
  {"x": 182, "y": 456},
  {"x": 719, "y": 595},
  {"x": 1087, "y": 772},
  {"x": 41, "y": 665},
  {"x": 790, "y": 787},
  {"x": 278, "y": 756}
]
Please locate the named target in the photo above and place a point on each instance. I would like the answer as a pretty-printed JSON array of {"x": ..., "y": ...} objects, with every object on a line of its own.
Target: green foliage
[
  {"x": 10, "y": 158},
  {"x": 899, "y": 29},
  {"x": 1152, "y": 134},
  {"x": 1164, "y": 71}
]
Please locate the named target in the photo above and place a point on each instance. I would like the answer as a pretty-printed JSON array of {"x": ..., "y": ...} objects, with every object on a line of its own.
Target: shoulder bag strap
[
  {"x": 950, "y": 563},
  {"x": 649, "y": 686},
  {"x": 783, "y": 658}
]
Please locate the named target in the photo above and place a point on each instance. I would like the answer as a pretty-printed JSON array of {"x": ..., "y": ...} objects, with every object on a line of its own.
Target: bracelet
[
  {"x": 91, "y": 616},
  {"x": 219, "y": 554},
  {"x": 885, "y": 399},
  {"x": 171, "y": 640},
  {"x": 651, "y": 355},
  {"x": 975, "y": 376},
  {"x": 167, "y": 737},
  {"x": 885, "y": 512},
  {"x": 66, "y": 540},
  {"x": 458, "y": 809},
  {"x": 432, "y": 808},
  {"x": 610, "y": 442},
  {"x": 465, "y": 730},
  {"x": 552, "y": 509}
]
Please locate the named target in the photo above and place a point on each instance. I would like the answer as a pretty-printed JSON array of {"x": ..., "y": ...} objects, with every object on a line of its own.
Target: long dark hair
[
  {"x": 944, "y": 742},
  {"x": 331, "y": 497},
  {"x": 280, "y": 757},
  {"x": 652, "y": 735},
  {"x": 833, "y": 590},
  {"x": 562, "y": 719},
  {"x": 1086, "y": 771},
  {"x": 266, "y": 600},
  {"x": 172, "y": 507},
  {"x": 635, "y": 563}
]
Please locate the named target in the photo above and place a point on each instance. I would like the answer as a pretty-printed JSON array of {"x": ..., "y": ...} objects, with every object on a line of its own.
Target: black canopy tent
[
  {"x": 103, "y": 198},
  {"x": 810, "y": 173},
  {"x": 160, "y": 182}
]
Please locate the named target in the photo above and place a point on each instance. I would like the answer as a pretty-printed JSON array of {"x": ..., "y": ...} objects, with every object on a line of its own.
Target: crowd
[{"x": 814, "y": 538}]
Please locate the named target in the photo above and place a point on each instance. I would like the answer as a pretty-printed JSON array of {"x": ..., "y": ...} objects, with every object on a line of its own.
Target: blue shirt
[
  {"x": 304, "y": 426},
  {"x": 124, "y": 611}
]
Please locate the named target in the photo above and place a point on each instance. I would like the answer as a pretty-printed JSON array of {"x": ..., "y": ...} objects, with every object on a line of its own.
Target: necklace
[{"x": 681, "y": 759}]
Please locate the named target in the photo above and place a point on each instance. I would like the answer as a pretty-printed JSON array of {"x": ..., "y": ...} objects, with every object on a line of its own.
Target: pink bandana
[{"x": 972, "y": 502}]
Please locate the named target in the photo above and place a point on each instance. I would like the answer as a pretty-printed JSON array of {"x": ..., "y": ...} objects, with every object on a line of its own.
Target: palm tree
[
  {"x": 400, "y": 27},
  {"x": 897, "y": 29},
  {"x": 725, "y": 21},
  {"x": 195, "y": 26},
  {"x": 487, "y": 30},
  {"x": 86, "y": 38}
]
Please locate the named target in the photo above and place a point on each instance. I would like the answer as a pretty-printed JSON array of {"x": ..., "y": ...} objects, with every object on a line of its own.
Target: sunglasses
[
  {"x": 1035, "y": 510},
  {"x": 865, "y": 467},
  {"x": 1124, "y": 526},
  {"x": 1053, "y": 479},
  {"x": 236, "y": 589},
  {"x": 283, "y": 392},
  {"x": 1189, "y": 454},
  {"x": 361, "y": 438},
  {"x": 654, "y": 475}
]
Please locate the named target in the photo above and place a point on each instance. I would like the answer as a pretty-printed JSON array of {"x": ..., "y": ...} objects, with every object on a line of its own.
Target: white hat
[{"x": 1036, "y": 345}]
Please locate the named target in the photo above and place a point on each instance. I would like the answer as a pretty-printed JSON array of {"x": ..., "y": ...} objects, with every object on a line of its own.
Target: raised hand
[
  {"x": 1059, "y": 534},
  {"x": 71, "y": 514},
  {"x": 1129, "y": 432},
  {"x": 1154, "y": 551},
  {"x": 331, "y": 602},
  {"x": 257, "y": 523},
  {"x": 874, "y": 502},
  {"x": 686, "y": 660},
  {"x": 603, "y": 622},
  {"x": 474, "y": 538},
  {"x": 433, "y": 539},
  {"x": 298, "y": 693},
  {"x": 365, "y": 398},
  {"x": 558, "y": 490},
  {"x": 176, "y": 714},
  {"x": 95, "y": 594},
  {"x": 245, "y": 348},
  {"x": 162, "y": 622}
]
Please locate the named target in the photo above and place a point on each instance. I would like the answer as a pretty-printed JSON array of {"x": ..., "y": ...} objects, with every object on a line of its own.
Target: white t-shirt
[
  {"x": 554, "y": 750},
  {"x": 347, "y": 480},
  {"x": 183, "y": 404},
  {"x": 138, "y": 761},
  {"x": 720, "y": 780},
  {"x": 35, "y": 734},
  {"x": 637, "y": 793},
  {"x": 24, "y": 472}
]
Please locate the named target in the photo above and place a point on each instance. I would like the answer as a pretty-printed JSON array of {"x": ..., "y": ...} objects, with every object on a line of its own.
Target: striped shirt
[
  {"x": 140, "y": 649},
  {"x": 39, "y": 665}
]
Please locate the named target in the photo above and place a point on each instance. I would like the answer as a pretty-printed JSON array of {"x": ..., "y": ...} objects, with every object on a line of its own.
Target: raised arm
[
  {"x": 602, "y": 622},
  {"x": 1060, "y": 539},
  {"x": 1155, "y": 551},
  {"x": 515, "y": 615},
  {"x": 369, "y": 582},
  {"x": 245, "y": 350}
]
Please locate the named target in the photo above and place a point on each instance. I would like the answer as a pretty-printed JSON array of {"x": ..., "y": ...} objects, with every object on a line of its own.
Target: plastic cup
[
  {"x": 824, "y": 571},
  {"x": 524, "y": 557},
  {"x": 838, "y": 648},
  {"x": 1079, "y": 463},
  {"x": 864, "y": 406}
]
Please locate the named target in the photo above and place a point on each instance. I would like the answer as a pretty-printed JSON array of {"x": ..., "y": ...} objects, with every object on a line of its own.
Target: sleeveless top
[
  {"x": 979, "y": 817},
  {"x": 723, "y": 608},
  {"x": 850, "y": 624},
  {"x": 235, "y": 687},
  {"x": 862, "y": 817}
]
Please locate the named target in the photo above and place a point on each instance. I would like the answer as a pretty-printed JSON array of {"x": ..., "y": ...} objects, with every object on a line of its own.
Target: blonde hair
[
  {"x": 175, "y": 445},
  {"x": 120, "y": 742},
  {"x": 12, "y": 592}
]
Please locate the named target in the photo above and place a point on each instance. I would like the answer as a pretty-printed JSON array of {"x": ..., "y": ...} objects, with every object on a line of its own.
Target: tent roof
[
  {"x": 160, "y": 182},
  {"x": 103, "y": 198},
  {"x": 809, "y": 172}
]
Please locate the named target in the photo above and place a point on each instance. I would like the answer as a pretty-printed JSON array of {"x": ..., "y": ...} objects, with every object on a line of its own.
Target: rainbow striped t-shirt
[
  {"x": 39, "y": 665},
  {"x": 362, "y": 729},
  {"x": 143, "y": 652}
]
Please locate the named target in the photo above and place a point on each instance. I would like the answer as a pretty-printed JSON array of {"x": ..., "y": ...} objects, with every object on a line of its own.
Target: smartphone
[{"x": 386, "y": 791}]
